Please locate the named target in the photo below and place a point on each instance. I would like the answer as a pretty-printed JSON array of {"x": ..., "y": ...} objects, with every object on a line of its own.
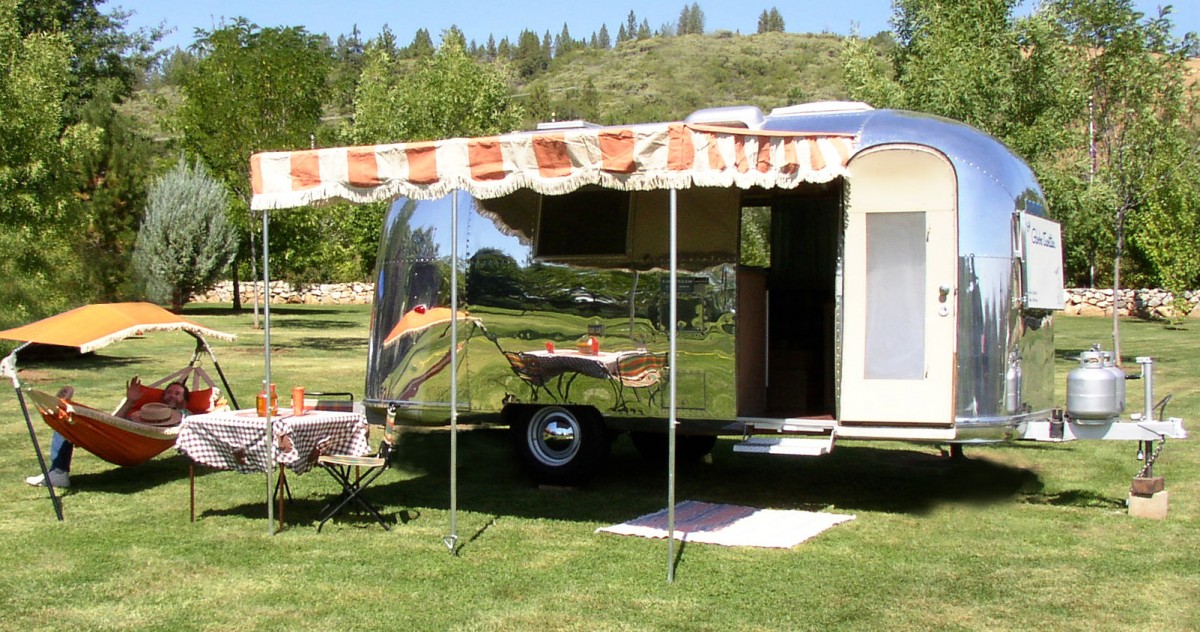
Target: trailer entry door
[{"x": 899, "y": 320}]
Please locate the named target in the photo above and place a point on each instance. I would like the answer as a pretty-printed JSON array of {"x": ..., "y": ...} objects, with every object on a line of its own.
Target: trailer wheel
[
  {"x": 688, "y": 448},
  {"x": 560, "y": 445}
]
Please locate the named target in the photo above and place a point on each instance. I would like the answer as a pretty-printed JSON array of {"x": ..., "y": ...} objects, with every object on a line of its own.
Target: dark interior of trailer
[{"x": 787, "y": 299}]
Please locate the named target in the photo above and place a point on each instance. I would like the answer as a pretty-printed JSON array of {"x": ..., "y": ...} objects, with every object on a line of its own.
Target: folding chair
[{"x": 355, "y": 474}]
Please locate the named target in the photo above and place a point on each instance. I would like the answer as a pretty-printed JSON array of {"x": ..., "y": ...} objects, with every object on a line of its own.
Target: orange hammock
[{"x": 115, "y": 439}]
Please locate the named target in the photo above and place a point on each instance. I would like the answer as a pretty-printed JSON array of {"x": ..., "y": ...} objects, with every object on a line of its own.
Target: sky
[{"x": 507, "y": 18}]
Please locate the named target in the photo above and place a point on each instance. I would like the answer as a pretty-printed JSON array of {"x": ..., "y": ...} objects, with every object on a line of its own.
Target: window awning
[{"x": 632, "y": 158}]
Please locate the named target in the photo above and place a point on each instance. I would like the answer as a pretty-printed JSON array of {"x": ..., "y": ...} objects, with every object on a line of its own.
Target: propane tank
[
  {"x": 1091, "y": 390},
  {"x": 1109, "y": 362},
  {"x": 1012, "y": 386}
]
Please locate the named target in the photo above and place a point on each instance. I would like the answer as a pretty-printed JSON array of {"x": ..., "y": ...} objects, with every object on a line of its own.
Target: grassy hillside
[{"x": 661, "y": 79}]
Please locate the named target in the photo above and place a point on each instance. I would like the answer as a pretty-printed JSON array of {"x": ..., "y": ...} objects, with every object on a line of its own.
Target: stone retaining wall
[
  {"x": 1146, "y": 303},
  {"x": 282, "y": 292}
]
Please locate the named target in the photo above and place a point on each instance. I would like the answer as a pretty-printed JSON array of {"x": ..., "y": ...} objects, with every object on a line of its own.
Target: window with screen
[{"x": 583, "y": 223}]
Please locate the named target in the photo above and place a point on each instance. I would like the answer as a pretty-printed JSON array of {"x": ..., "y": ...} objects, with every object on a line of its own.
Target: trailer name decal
[{"x": 1042, "y": 238}]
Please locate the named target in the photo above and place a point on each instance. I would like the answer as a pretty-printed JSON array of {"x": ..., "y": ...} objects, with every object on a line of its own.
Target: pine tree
[
  {"x": 605, "y": 39},
  {"x": 186, "y": 239}
]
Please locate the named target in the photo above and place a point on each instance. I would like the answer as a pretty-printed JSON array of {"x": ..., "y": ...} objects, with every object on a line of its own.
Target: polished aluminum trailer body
[{"x": 833, "y": 329}]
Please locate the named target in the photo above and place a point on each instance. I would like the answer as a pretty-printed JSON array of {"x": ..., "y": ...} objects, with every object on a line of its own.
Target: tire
[
  {"x": 688, "y": 448},
  {"x": 561, "y": 445}
]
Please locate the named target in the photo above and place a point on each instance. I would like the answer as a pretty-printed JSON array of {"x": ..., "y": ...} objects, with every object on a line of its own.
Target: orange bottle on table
[
  {"x": 274, "y": 401},
  {"x": 260, "y": 402},
  {"x": 297, "y": 400}
]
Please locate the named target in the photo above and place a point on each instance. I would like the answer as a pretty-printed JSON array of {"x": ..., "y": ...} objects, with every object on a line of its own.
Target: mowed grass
[{"x": 1018, "y": 536}]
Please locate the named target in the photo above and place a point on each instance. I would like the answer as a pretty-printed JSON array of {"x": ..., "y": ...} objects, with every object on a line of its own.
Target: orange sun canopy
[{"x": 93, "y": 327}]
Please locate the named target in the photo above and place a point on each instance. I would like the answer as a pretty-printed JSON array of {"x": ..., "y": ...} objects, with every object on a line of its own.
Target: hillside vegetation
[{"x": 666, "y": 78}]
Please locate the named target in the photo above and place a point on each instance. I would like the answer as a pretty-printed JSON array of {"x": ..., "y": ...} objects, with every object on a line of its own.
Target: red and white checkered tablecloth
[{"x": 237, "y": 439}]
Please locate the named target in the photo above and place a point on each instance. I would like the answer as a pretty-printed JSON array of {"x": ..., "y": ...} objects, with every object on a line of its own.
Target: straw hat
[{"x": 155, "y": 412}]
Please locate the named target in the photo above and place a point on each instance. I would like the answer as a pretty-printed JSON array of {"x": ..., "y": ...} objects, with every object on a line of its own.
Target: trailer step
[{"x": 794, "y": 446}]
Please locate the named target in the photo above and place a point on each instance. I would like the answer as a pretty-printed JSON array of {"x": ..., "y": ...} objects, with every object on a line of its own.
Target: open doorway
[{"x": 787, "y": 285}]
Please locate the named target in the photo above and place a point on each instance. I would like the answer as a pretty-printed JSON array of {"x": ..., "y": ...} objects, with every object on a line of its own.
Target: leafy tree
[
  {"x": 1089, "y": 92},
  {"x": 1138, "y": 120},
  {"x": 253, "y": 90},
  {"x": 38, "y": 146},
  {"x": 113, "y": 176},
  {"x": 449, "y": 95},
  {"x": 185, "y": 240},
  {"x": 102, "y": 51}
]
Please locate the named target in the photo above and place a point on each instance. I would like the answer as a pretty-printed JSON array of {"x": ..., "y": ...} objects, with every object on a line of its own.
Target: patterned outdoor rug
[{"x": 732, "y": 525}]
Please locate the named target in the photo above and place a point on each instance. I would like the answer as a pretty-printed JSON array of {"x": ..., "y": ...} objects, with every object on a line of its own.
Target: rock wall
[
  {"x": 282, "y": 292},
  {"x": 1145, "y": 303}
]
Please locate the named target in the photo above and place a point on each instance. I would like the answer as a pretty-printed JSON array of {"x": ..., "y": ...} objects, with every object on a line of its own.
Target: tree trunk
[
  {"x": 237, "y": 285},
  {"x": 254, "y": 277},
  {"x": 1116, "y": 322}
]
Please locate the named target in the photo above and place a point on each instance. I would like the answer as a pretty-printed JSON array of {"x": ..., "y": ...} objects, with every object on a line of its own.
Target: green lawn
[{"x": 1018, "y": 537}]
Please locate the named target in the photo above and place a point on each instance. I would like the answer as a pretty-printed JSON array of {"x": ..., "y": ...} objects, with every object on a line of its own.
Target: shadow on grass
[
  {"x": 248, "y": 310},
  {"x": 324, "y": 344},
  {"x": 134, "y": 479},
  {"x": 1075, "y": 498},
  {"x": 852, "y": 478}
]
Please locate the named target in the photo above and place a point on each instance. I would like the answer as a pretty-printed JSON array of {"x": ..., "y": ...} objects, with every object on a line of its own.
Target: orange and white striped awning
[{"x": 631, "y": 158}]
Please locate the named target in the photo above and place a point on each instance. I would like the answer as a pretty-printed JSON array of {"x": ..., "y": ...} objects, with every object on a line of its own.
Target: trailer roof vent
[
  {"x": 558, "y": 125},
  {"x": 822, "y": 107},
  {"x": 747, "y": 116}
]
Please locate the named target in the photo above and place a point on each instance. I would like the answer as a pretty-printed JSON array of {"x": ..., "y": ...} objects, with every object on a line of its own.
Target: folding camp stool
[{"x": 355, "y": 473}]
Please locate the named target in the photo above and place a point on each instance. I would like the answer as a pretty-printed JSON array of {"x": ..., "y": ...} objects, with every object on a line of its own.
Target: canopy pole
[
  {"x": 9, "y": 368},
  {"x": 270, "y": 434},
  {"x": 671, "y": 421},
  {"x": 201, "y": 343},
  {"x": 451, "y": 540}
]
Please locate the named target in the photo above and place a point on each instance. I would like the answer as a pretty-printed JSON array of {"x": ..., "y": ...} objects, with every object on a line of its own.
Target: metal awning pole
[
  {"x": 201, "y": 343},
  {"x": 451, "y": 540},
  {"x": 267, "y": 369},
  {"x": 671, "y": 421},
  {"x": 9, "y": 368}
]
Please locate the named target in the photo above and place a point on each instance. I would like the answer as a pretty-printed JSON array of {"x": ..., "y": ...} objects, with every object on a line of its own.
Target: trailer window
[
  {"x": 895, "y": 344},
  {"x": 587, "y": 222}
]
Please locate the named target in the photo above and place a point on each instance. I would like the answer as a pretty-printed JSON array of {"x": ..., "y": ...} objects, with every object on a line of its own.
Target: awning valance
[{"x": 632, "y": 158}]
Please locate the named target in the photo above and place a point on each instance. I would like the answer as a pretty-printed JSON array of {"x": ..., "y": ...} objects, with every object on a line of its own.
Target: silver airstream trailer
[{"x": 839, "y": 272}]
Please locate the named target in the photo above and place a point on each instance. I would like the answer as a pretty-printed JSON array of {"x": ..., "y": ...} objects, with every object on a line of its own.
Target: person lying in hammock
[{"x": 174, "y": 398}]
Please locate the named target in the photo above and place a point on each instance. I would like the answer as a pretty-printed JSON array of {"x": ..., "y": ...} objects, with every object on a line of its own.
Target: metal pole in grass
[
  {"x": 267, "y": 367},
  {"x": 452, "y": 540},
  {"x": 671, "y": 381},
  {"x": 8, "y": 368}
]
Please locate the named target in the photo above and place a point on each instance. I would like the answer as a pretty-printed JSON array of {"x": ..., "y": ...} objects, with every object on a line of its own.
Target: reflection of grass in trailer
[{"x": 705, "y": 372}]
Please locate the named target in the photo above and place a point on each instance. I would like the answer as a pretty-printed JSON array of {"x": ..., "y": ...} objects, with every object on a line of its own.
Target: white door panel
[{"x": 899, "y": 319}]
